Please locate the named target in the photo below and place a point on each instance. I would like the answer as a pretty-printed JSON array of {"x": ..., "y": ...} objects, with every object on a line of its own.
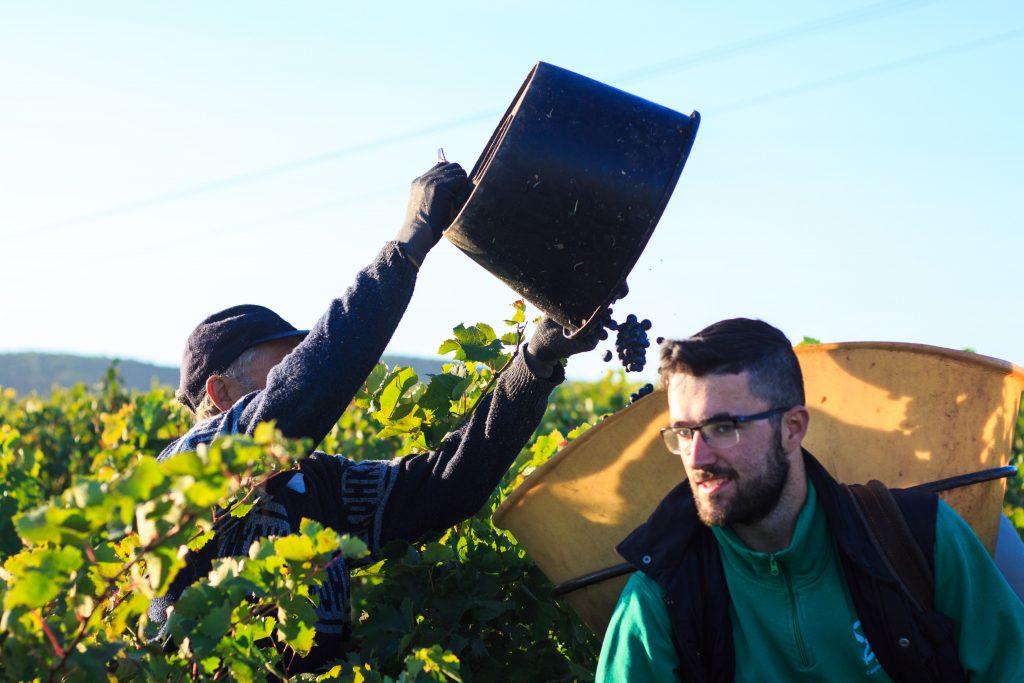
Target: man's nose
[{"x": 700, "y": 453}]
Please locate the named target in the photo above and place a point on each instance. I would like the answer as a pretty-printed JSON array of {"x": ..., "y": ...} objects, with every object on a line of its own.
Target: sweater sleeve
[
  {"x": 308, "y": 391},
  {"x": 970, "y": 590},
  {"x": 638, "y": 643},
  {"x": 432, "y": 491}
]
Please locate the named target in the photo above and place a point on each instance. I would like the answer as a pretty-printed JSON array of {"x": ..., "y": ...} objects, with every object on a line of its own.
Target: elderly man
[
  {"x": 759, "y": 567},
  {"x": 246, "y": 365}
]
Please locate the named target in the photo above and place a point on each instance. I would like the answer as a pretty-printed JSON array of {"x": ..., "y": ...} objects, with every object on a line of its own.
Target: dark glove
[
  {"x": 549, "y": 344},
  {"x": 434, "y": 200}
]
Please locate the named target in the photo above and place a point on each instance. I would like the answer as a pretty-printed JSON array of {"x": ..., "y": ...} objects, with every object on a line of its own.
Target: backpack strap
[{"x": 896, "y": 544}]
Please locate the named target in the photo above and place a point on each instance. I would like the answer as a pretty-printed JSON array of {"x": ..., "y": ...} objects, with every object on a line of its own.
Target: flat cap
[{"x": 221, "y": 338}]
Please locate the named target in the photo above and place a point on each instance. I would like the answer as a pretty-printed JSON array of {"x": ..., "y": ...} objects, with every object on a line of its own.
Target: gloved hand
[
  {"x": 434, "y": 200},
  {"x": 549, "y": 345}
]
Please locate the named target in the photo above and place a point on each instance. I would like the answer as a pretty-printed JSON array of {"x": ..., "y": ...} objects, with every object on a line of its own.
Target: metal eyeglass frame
[{"x": 736, "y": 420}]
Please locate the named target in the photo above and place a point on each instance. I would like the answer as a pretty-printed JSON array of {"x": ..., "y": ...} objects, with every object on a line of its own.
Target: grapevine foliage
[
  {"x": 92, "y": 527},
  {"x": 1014, "y": 501}
]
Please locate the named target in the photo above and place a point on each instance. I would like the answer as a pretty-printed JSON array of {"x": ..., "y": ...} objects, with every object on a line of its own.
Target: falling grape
[{"x": 641, "y": 392}]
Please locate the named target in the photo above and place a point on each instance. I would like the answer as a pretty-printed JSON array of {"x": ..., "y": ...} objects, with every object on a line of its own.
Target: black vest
[{"x": 681, "y": 554}]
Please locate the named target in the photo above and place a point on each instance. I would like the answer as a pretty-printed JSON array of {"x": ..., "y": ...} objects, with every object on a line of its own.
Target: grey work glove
[
  {"x": 434, "y": 200},
  {"x": 549, "y": 345}
]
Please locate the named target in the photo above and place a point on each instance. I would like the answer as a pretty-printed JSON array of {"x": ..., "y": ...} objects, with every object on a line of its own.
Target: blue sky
[{"x": 857, "y": 175}]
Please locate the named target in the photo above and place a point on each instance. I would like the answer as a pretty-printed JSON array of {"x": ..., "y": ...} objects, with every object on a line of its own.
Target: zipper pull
[{"x": 773, "y": 565}]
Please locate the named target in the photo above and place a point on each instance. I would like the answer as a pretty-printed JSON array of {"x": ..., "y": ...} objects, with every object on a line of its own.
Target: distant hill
[{"x": 38, "y": 373}]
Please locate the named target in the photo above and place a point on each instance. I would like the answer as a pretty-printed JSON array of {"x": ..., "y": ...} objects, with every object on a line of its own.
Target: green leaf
[
  {"x": 578, "y": 431},
  {"x": 140, "y": 481},
  {"x": 440, "y": 392},
  {"x": 210, "y": 664},
  {"x": 295, "y": 548},
  {"x": 242, "y": 509},
  {"x": 325, "y": 539},
  {"x": 442, "y": 664},
  {"x": 471, "y": 335},
  {"x": 548, "y": 444},
  {"x": 33, "y": 589},
  {"x": 376, "y": 378},
  {"x": 202, "y": 493},
  {"x": 402, "y": 426},
  {"x": 265, "y": 433},
  {"x": 297, "y": 635},
  {"x": 459, "y": 389},
  {"x": 435, "y": 553},
  {"x": 202, "y": 539},
  {"x": 487, "y": 331},
  {"x": 310, "y": 527},
  {"x": 519, "y": 315},
  {"x": 332, "y": 674},
  {"x": 216, "y": 622},
  {"x": 184, "y": 464},
  {"x": 353, "y": 548},
  {"x": 39, "y": 575},
  {"x": 145, "y": 524},
  {"x": 475, "y": 343},
  {"x": 510, "y": 339},
  {"x": 85, "y": 494},
  {"x": 400, "y": 381},
  {"x": 448, "y": 346},
  {"x": 162, "y": 564},
  {"x": 49, "y": 524},
  {"x": 1016, "y": 516}
]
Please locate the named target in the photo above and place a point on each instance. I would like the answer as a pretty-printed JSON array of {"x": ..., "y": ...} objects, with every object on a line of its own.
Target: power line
[
  {"x": 830, "y": 23},
  {"x": 243, "y": 178},
  {"x": 268, "y": 219},
  {"x": 868, "y": 72},
  {"x": 746, "y": 103},
  {"x": 785, "y": 35}
]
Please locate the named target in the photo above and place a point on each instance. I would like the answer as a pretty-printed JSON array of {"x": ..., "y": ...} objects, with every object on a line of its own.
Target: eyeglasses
[{"x": 718, "y": 432}]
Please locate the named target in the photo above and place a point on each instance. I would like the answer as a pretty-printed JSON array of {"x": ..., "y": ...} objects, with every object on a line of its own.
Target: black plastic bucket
[{"x": 569, "y": 189}]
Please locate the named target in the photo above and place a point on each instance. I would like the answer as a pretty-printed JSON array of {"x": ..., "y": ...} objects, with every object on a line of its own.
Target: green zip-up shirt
[{"x": 793, "y": 618}]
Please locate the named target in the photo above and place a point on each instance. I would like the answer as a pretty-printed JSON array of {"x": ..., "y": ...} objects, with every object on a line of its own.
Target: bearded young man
[
  {"x": 245, "y": 365},
  {"x": 759, "y": 569}
]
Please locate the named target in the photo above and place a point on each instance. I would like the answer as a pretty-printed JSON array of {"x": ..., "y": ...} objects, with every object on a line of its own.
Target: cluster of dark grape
[
  {"x": 631, "y": 341},
  {"x": 641, "y": 392}
]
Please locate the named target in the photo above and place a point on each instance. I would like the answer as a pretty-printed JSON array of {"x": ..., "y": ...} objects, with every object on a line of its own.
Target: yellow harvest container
[{"x": 905, "y": 414}]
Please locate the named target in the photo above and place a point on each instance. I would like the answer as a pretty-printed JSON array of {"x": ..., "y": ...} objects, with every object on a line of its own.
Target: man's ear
[
  {"x": 222, "y": 390},
  {"x": 794, "y": 428}
]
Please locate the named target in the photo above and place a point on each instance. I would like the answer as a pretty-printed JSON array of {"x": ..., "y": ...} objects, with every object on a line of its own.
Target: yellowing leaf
[
  {"x": 204, "y": 494},
  {"x": 297, "y": 635},
  {"x": 32, "y": 590},
  {"x": 39, "y": 575},
  {"x": 294, "y": 548},
  {"x": 115, "y": 426}
]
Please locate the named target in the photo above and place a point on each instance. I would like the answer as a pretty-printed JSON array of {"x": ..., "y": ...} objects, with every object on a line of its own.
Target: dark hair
[{"x": 730, "y": 347}]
